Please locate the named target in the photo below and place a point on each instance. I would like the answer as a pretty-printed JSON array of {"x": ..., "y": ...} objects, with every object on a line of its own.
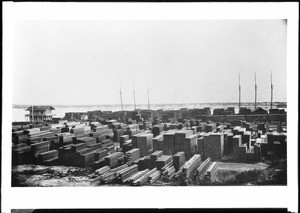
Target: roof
[{"x": 42, "y": 108}]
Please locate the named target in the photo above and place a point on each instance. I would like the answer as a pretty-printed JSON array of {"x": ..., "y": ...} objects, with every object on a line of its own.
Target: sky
[{"x": 82, "y": 62}]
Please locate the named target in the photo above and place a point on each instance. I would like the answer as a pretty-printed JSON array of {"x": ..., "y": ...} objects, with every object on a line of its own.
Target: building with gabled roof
[{"x": 39, "y": 113}]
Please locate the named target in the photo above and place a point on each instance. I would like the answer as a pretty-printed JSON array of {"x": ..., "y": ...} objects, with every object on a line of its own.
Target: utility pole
[
  {"x": 121, "y": 97},
  {"x": 271, "y": 91},
  {"x": 239, "y": 93},
  {"x": 255, "y": 92},
  {"x": 134, "y": 96}
]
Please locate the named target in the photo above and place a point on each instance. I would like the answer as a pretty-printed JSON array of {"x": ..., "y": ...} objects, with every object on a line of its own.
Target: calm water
[{"x": 19, "y": 111}]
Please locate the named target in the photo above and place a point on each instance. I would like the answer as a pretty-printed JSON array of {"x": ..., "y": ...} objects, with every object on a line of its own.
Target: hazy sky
[{"x": 82, "y": 62}]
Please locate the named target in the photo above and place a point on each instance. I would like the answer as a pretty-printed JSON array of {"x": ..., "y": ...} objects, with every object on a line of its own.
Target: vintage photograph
[{"x": 149, "y": 103}]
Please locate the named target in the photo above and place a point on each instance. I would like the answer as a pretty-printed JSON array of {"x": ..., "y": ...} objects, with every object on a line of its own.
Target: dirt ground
[{"x": 240, "y": 167}]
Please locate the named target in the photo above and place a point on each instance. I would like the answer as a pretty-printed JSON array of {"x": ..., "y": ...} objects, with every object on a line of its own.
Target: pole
[
  {"x": 32, "y": 114},
  {"x": 239, "y": 93},
  {"x": 134, "y": 96},
  {"x": 121, "y": 97},
  {"x": 271, "y": 91},
  {"x": 255, "y": 92},
  {"x": 148, "y": 97}
]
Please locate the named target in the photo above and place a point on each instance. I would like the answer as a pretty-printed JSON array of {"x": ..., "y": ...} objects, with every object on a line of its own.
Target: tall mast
[
  {"x": 134, "y": 96},
  {"x": 271, "y": 91},
  {"x": 32, "y": 113},
  {"x": 148, "y": 96},
  {"x": 255, "y": 91},
  {"x": 121, "y": 97},
  {"x": 239, "y": 93}
]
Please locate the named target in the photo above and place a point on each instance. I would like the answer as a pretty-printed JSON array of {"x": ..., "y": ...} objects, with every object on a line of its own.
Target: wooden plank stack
[
  {"x": 125, "y": 173},
  {"x": 132, "y": 155},
  {"x": 154, "y": 156},
  {"x": 214, "y": 146},
  {"x": 239, "y": 149},
  {"x": 168, "y": 145},
  {"x": 144, "y": 163},
  {"x": 212, "y": 171},
  {"x": 201, "y": 171},
  {"x": 144, "y": 178},
  {"x": 136, "y": 176},
  {"x": 189, "y": 169},
  {"x": 154, "y": 177},
  {"x": 156, "y": 140},
  {"x": 178, "y": 160},
  {"x": 112, "y": 160},
  {"x": 180, "y": 139},
  {"x": 47, "y": 156},
  {"x": 144, "y": 142},
  {"x": 163, "y": 161},
  {"x": 102, "y": 170},
  {"x": 168, "y": 173},
  {"x": 190, "y": 146}
]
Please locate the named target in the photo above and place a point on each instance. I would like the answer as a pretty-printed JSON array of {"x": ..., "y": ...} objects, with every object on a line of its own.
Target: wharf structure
[{"x": 143, "y": 146}]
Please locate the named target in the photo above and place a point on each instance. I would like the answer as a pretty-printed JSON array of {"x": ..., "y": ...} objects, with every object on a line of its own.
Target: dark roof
[
  {"x": 260, "y": 111},
  {"x": 43, "y": 108}
]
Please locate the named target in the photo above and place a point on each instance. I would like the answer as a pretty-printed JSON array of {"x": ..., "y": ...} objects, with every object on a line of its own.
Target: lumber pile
[
  {"x": 135, "y": 176},
  {"x": 190, "y": 146},
  {"x": 47, "y": 156},
  {"x": 112, "y": 160},
  {"x": 188, "y": 169},
  {"x": 180, "y": 139},
  {"x": 144, "y": 178},
  {"x": 178, "y": 160},
  {"x": 168, "y": 173},
  {"x": 154, "y": 177},
  {"x": 155, "y": 141},
  {"x": 102, "y": 170},
  {"x": 214, "y": 146},
  {"x": 110, "y": 175},
  {"x": 212, "y": 171},
  {"x": 163, "y": 161},
  {"x": 239, "y": 149},
  {"x": 168, "y": 145},
  {"x": 125, "y": 173},
  {"x": 201, "y": 171},
  {"x": 132, "y": 155},
  {"x": 144, "y": 142},
  {"x": 144, "y": 163}
]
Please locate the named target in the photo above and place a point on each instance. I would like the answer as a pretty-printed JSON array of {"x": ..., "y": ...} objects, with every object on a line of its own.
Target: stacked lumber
[
  {"x": 156, "y": 141},
  {"x": 126, "y": 146},
  {"x": 180, "y": 137},
  {"x": 110, "y": 175},
  {"x": 157, "y": 129},
  {"x": 168, "y": 173},
  {"x": 100, "y": 153},
  {"x": 163, "y": 161},
  {"x": 123, "y": 139},
  {"x": 112, "y": 160},
  {"x": 102, "y": 170},
  {"x": 84, "y": 157},
  {"x": 214, "y": 146},
  {"x": 168, "y": 145},
  {"x": 147, "y": 125},
  {"x": 153, "y": 177},
  {"x": 40, "y": 147},
  {"x": 235, "y": 130},
  {"x": 239, "y": 149},
  {"x": 98, "y": 163},
  {"x": 19, "y": 137},
  {"x": 144, "y": 163},
  {"x": 257, "y": 152},
  {"x": 65, "y": 138},
  {"x": 31, "y": 131},
  {"x": 117, "y": 134},
  {"x": 47, "y": 156},
  {"x": 22, "y": 155},
  {"x": 77, "y": 147},
  {"x": 212, "y": 171},
  {"x": 190, "y": 146},
  {"x": 247, "y": 139},
  {"x": 78, "y": 131},
  {"x": 189, "y": 168},
  {"x": 178, "y": 160},
  {"x": 123, "y": 174},
  {"x": 87, "y": 140},
  {"x": 210, "y": 127},
  {"x": 107, "y": 143},
  {"x": 154, "y": 156},
  {"x": 144, "y": 178},
  {"x": 200, "y": 145},
  {"x": 20, "y": 145},
  {"x": 201, "y": 171},
  {"x": 144, "y": 142},
  {"x": 132, "y": 155},
  {"x": 136, "y": 176}
]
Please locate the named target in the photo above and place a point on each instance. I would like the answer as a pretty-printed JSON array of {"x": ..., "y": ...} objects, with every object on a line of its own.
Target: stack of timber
[
  {"x": 156, "y": 140},
  {"x": 135, "y": 176},
  {"x": 168, "y": 144},
  {"x": 112, "y": 160},
  {"x": 110, "y": 175},
  {"x": 40, "y": 147},
  {"x": 102, "y": 170},
  {"x": 87, "y": 140},
  {"x": 188, "y": 169},
  {"x": 144, "y": 178},
  {"x": 78, "y": 131},
  {"x": 178, "y": 160},
  {"x": 163, "y": 161},
  {"x": 239, "y": 149},
  {"x": 180, "y": 139},
  {"x": 212, "y": 172},
  {"x": 190, "y": 146},
  {"x": 126, "y": 146},
  {"x": 46, "y": 157},
  {"x": 168, "y": 173},
  {"x": 22, "y": 155},
  {"x": 19, "y": 137},
  {"x": 123, "y": 139},
  {"x": 123, "y": 174},
  {"x": 65, "y": 138},
  {"x": 132, "y": 155},
  {"x": 144, "y": 163},
  {"x": 154, "y": 156},
  {"x": 154, "y": 177},
  {"x": 202, "y": 169},
  {"x": 214, "y": 146},
  {"x": 143, "y": 141}
]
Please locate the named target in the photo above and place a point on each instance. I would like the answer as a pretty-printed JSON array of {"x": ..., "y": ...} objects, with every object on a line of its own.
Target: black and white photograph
[{"x": 142, "y": 103}]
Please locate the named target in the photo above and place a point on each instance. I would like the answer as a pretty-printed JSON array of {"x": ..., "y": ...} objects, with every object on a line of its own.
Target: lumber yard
[{"x": 146, "y": 147}]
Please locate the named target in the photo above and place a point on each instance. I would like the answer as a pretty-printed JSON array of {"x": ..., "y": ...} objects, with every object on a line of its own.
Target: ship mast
[
  {"x": 271, "y": 91},
  {"x": 255, "y": 91},
  {"x": 148, "y": 96},
  {"x": 134, "y": 96},
  {"x": 239, "y": 93},
  {"x": 121, "y": 97}
]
